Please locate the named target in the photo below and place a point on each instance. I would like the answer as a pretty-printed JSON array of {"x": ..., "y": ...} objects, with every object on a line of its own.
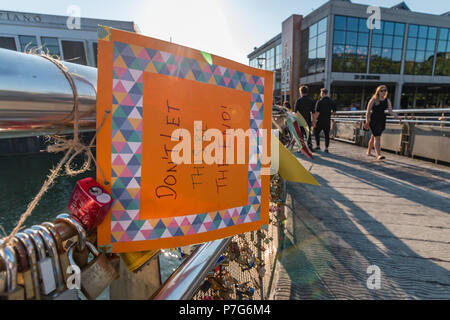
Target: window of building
[
  {"x": 74, "y": 51},
  {"x": 51, "y": 46},
  {"x": 420, "y": 49},
  {"x": 8, "y": 43},
  {"x": 317, "y": 47},
  {"x": 387, "y": 48},
  {"x": 27, "y": 43},
  {"x": 94, "y": 47},
  {"x": 350, "y": 44},
  {"x": 442, "y": 67},
  {"x": 270, "y": 59},
  {"x": 304, "y": 53},
  {"x": 278, "y": 57}
]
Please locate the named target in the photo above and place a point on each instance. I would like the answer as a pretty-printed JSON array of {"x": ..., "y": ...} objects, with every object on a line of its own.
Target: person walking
[
  {"x": 325, "y": 107},
  {"x": 376, "y": 119},
  {"x": 305, "y": 106}
]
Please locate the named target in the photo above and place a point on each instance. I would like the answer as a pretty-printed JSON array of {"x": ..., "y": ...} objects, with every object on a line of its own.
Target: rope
[{"x": 73, "y": 148}]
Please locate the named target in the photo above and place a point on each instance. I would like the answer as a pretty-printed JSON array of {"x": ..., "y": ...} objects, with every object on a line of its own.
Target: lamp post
[{"x": 260, "y": 61}]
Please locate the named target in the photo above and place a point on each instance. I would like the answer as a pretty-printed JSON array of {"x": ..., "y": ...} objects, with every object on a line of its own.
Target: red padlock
[{"x": 89, "y": 203}]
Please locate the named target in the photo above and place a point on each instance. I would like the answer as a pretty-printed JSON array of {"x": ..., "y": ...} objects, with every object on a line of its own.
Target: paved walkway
[{"x": 394, "y": 214}]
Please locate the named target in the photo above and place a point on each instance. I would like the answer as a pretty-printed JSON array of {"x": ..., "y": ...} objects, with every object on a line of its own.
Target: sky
[{"x": 227, "y": 28}]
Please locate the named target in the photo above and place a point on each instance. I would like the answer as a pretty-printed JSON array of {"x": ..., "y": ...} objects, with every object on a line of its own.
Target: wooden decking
[{"x": 393, "y": 214}]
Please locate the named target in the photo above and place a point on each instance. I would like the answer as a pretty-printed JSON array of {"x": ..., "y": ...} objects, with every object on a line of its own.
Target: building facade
[
  {"x": 22, "y": 31},
  {"x": 268, "y": 57},
  {"x": 343, "y": 47}
]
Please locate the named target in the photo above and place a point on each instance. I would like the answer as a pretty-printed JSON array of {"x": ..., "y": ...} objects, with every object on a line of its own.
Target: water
[{"x": 21, "y": 178}]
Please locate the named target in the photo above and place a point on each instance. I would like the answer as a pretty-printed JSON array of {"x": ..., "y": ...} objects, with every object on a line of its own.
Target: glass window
[
  {"x": 376, "y": 51},
  {"x": 388, "y": 46},
  {"x": 352, "y": 38},
  {"x": 431, "y": 44},
  {"x": 420, "y": 56},
  {"x": 380, "y": 30},
  {"x": 386, "y": 53},
  {"x": 322, "y": 26},
  {"x": 321, "y": 53},
  {"x": 429, "y": 55},
  {"x": 352, "y": 56},
  {"x": 399, "y": 29},
  {"x": 362, "y": 51},
  {"x": 340, "y": 23},
  {"x": 27, "y": 42},
  {"x": 398, "y": 42},
  {"x": 313, "y": 31},
  {"x": 423, "y": 31},
  {"x": 339, "y": 37},
  {"x": 412, "y": 30},
  {"x": 389, "y": 28},
  {"x": 432, "y": 32},
  {"x": 421, "y": 43},
  {"x": 410, "y": 55},
  {"x": 442, "y": 46},
  {"x": 8, "y": 43},
  {"x": 387, "y": 41},
  {"x": 52, "y": 45},
  {"x": 396, "y": 55},
  {"x": 412, "y": 43},
  {"x": 443, "y": 34},
  {"x": 363, "y": 26},
  {"x": 278, "y": 57},
  {"x": 94, "y": 47},
  {"x": 321, "y": 39},
  {"x": 74, "y": 51},
  {"x": 352, "y": 24},
  {"x": 363, "y": 39},
  {"x": 376, "y": 40},
  {"x": 317, "y": 46},
  {"x": 442, "y": 67},
  {"x": 350, "y": 49}
]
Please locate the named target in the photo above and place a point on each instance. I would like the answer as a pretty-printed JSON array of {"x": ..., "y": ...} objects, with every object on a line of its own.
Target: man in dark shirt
[
  {"x": 322, "y": 118},
  {"x": 305, "y": 106}
]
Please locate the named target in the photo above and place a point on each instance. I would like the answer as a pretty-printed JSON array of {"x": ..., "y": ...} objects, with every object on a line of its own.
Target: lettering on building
[
  {"x": 20, "y": 17},
  {"x": 365, "y": 77}
]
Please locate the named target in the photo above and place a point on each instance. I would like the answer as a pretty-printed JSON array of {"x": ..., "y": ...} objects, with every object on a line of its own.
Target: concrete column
[{"x": 398, "y": 95}]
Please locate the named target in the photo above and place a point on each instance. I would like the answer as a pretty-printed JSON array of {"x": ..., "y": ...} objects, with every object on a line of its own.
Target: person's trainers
[
  {"x": 317, "y": 149},
  {"x": 326, "y": 150}
]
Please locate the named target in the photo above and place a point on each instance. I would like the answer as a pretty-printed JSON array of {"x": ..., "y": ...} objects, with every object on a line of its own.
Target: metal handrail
[
  {"x": 437, "y": 110},
  {"x": 359, "y": 116},
  {"x": 394, "y": 121},
  {"x": 186, "y": 280}
]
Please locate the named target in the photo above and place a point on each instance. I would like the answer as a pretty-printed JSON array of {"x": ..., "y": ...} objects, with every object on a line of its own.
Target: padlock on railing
[
  {"x": 97, "y": 275},
  {"x": 81, "y": 253},
  {"x": 11, "y": 290},
  {"x": 89, "y": 203},
  {"x": 25, "y": 240}
]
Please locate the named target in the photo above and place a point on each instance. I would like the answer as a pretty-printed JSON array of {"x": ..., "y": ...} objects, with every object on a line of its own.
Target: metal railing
[
  {"x": 188, "y": 277},
  {"x": 439, "y": 116}
]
